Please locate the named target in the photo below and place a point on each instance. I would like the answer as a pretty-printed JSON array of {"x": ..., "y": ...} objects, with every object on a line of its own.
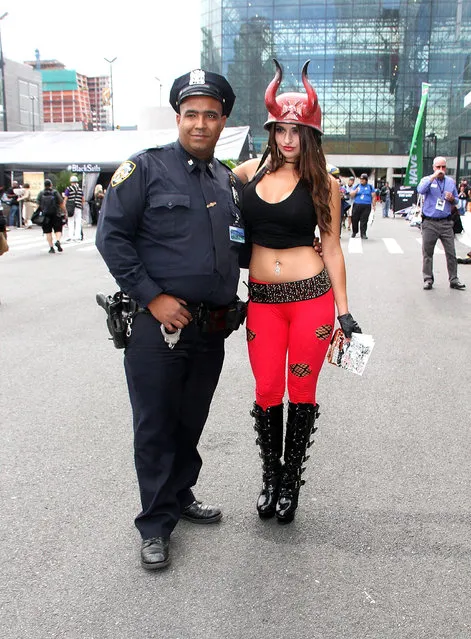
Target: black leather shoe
[
  {"x": 155, "y": 553},
  {"x": 458, "y": 285},
  {"x": 428, "y": 285},
  {"x": 198, "y": 513},
  {"x": 364, "y": 237},
  {"x": 354, "y": 234}
]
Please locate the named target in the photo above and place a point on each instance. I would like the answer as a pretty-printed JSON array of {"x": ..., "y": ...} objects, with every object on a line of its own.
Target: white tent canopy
[{"x": 106, "y": 149}]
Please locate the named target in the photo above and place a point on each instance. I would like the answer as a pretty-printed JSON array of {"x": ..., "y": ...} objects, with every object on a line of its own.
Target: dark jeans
[
  {"x": 360, "y": 215},
  {"x": 170, "y": 392},
  {"x": 433, "y": 230},
  {"x": 15, "y": 215}
]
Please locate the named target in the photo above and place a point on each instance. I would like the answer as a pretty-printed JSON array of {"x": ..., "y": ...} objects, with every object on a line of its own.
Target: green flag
[{"x": 415, "y": 164}]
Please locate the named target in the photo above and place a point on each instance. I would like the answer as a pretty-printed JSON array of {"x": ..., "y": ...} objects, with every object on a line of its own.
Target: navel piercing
[{"x": 277, "y": 267}]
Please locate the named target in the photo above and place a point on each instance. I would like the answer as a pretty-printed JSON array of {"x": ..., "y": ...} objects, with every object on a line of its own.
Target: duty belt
[{"x": 212, "y": 320}]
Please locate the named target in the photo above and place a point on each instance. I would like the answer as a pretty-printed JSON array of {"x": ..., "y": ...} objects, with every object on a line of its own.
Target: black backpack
[{"x": 48, "y": 203}]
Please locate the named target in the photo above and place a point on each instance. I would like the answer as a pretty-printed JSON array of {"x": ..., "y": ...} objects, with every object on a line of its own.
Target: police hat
[{"x": 199, "y": 82}]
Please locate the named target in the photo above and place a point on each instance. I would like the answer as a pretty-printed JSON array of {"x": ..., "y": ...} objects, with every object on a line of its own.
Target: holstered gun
[{"x": 120, "y": 310}]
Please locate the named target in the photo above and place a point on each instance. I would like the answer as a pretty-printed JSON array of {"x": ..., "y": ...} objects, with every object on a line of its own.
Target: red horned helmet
[{"x": 292, "y": 108}]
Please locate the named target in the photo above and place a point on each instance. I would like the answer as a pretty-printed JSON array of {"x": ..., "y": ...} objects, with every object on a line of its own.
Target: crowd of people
[
  {"x": 54, "y": 210},
  {"x": 360, "y": 200}
]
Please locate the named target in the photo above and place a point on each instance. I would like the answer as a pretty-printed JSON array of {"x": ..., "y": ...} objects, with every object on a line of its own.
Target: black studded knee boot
[
  {"x": 268, "y": 425},
  {"x": 299, "y": 428}
]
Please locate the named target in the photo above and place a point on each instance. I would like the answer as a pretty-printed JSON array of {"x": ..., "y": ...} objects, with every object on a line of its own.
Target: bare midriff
[{"x": 284, "y": 265}]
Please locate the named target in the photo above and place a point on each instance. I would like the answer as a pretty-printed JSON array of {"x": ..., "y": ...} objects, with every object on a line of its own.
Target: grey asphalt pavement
[{"x": 381, "y": 544}]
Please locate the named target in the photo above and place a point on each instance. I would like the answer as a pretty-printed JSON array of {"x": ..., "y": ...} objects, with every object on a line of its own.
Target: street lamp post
[
  {"x": 160, "y": 90},
  {"x": 32, "y": 98},
  {"x": 2, "y": 65},
  {"x": 110, "y": 62}
]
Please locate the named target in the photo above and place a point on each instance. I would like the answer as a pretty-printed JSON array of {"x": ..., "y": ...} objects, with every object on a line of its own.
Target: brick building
[{"x": 71, "y": 100}]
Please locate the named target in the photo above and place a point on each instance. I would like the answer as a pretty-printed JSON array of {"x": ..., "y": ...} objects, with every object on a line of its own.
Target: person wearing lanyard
[
  {"x": 440, "y": 194},
  {"x": 363, "y": 195}
]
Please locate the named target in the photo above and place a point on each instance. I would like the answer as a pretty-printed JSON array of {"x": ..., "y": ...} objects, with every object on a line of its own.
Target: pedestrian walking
[
  {"x": 74, "y": 202},
  {"x": 27, "y": 204},
  {"x": 351, "y": 200},
  {"x": 12, "y": 194},
  {"x": 462, "y": 198},
  {"x": 364, "y": 194},
  {"x": 385, "y": 196},
  {"x": 51, "y": 205}
]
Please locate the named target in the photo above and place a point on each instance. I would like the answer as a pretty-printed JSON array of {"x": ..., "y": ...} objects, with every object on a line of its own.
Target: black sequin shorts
[{"x": 290, "y": 291}]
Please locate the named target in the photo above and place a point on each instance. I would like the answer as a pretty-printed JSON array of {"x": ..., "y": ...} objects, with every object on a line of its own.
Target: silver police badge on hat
[{"x": 197, "y": 76}]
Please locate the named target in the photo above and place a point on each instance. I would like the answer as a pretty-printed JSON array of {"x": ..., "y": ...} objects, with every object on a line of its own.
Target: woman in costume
[{"x": 293, "y": 291}]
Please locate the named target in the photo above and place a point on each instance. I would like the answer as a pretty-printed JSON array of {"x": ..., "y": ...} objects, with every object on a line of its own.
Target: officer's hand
[
  {"x": 318, "y": 246},
  {"x": 348, "y": 325},
  {"x": 170, "y": 311}
]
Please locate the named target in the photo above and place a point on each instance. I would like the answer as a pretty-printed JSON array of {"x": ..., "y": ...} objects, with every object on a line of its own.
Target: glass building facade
[{"x": 368, "y": 61}]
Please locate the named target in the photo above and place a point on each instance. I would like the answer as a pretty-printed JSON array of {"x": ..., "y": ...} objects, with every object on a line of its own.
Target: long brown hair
[{"x": 311, "y": 168}]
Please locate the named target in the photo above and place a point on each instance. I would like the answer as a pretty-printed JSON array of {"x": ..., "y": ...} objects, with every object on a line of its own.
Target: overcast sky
[{"x": 149, "y": 38}]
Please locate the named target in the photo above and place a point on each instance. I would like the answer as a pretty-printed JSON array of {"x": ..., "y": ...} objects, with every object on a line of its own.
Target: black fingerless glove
[{"x": 348, "y": 325}]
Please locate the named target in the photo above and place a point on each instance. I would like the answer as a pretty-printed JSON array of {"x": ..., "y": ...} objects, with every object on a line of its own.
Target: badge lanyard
[
  {"x": 236, "y": 232},
  {"x": 441, "y": 189}
]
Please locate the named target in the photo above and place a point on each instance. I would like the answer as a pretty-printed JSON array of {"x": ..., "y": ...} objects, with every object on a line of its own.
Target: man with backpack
[
  {"x": 363, "y": 194},
  {"x": 51, "y": 205},
  {"x": 74, "y": 201}
]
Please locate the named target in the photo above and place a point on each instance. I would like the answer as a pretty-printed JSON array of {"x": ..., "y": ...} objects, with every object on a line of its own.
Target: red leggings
[{"x": 300, "y": 329}]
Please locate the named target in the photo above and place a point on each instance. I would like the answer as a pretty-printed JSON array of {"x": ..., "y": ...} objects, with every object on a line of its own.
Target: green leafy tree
[{"x": 60, "y": 180}]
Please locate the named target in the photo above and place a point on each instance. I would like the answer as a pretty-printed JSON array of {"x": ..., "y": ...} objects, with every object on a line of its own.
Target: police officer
[{"x": 169, "y": 231}]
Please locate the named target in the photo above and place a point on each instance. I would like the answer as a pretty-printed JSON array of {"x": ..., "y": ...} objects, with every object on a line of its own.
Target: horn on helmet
[
  {"x": 270, "y": 94},
  {"x": 311, "y": 93}
]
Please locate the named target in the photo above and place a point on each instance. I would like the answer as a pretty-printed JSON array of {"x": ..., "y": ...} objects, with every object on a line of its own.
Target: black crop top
[{"x": 282, "y": 225}]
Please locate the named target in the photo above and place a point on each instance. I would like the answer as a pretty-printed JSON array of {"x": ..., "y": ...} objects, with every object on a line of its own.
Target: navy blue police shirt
[{"x": 155, "y": 232}]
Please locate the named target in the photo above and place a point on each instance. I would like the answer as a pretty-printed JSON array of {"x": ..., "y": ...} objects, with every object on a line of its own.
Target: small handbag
[{"x": 3, "y": 244}]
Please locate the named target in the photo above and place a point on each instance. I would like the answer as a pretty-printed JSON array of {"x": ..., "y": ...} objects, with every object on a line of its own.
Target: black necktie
[{"x": 219, "y": 225}]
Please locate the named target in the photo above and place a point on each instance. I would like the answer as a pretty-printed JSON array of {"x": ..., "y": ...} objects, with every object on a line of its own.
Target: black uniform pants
[
  {"x": 360, "y": 215},
  {"x": 170, "y": 392}
]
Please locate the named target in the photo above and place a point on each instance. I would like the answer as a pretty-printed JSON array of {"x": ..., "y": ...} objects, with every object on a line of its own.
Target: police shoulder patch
[{"x": 122, "y": 172}]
